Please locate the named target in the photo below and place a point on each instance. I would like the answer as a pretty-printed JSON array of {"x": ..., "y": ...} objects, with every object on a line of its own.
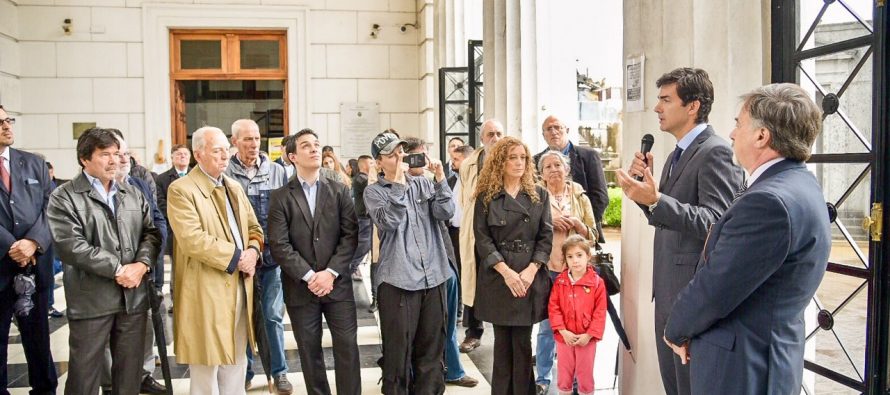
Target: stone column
[
  {"x": 529, "y": 69},
  {"x": 731, "y": 41}
]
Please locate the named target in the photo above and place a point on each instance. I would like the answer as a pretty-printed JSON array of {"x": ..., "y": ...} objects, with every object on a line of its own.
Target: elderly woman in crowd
[
  {"x": 572, "y": 214},
  {"x": 329, "y": 161},
  {"x": 513, "y": 240}
]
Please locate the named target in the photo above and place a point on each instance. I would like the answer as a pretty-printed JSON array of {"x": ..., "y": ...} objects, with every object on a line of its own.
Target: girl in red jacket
[{"x": 578, "y": 316}]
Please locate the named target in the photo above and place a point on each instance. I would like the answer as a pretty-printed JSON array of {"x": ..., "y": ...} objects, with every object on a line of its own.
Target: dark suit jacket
[
  {"x": 164, "y": 181},
  {"x": 300, "y": 242},
  {"x": 587, "y": 170},
  {"x": 696, "y": 194},
  {"x": 160, "y": 222},
  {"x": 761, "y": 266},
  {"x": 23, "y": 216}
]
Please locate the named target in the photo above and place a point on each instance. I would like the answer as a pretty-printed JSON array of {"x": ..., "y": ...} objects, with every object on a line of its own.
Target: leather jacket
[{"x": 93, "y": 242}]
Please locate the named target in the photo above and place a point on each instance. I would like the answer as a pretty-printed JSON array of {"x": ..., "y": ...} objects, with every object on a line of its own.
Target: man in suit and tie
[
  {"x": 25, "y": 240},
  {"x": 696, "y": 187},
  {"x": 313, "y": 233},
  {"x": 741, "y": 316},
  {"x": 181, "y": 159}
]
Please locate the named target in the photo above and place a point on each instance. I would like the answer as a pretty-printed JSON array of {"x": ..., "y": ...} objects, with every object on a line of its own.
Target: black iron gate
[
  {"x": 841, "y": 58},
  {"x": 454, "y": 117}
]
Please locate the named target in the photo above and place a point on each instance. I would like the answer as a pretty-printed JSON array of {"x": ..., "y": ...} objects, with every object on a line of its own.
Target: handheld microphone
[{"x": 645, "y": 147}]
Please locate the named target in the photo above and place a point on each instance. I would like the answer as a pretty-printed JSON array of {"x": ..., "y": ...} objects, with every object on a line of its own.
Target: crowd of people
[{"x": 495, "y": 234}]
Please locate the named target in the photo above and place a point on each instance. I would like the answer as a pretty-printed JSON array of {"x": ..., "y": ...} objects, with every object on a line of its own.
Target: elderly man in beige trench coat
[
  {"x": 491, "y": 132},
  {"x": 218, "y": 242}
]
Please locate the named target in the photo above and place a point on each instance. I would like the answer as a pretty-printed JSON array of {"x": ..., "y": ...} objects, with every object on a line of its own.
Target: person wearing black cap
[{"x": 413, "y": 268}]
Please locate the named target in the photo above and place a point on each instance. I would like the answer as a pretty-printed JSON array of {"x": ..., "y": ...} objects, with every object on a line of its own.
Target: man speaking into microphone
[{"x": 696, "y": 186}]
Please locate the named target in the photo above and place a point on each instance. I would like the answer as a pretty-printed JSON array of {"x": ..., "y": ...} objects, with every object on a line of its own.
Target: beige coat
[
  {"x": 469, "y": 175},
  {"x": 205, "y": 294}
]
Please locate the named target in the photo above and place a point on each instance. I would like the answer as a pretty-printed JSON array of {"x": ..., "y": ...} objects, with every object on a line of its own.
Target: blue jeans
[
  {"x": 453, "y": 368},
  {"x": 57, "y": 268},
  {"x": 364, "y": 243},
  {"x": 273, "y": 310},
  {"x": 546, "y": 349}
]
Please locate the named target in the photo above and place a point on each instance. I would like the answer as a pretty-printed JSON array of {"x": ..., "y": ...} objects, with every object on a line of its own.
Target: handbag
[{"x": 603, "y": 263}]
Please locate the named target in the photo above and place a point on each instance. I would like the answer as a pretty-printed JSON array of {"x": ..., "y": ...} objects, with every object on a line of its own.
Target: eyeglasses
[
  {"x": 10, "y": 121},
  {"x": 555, "y": 128}
]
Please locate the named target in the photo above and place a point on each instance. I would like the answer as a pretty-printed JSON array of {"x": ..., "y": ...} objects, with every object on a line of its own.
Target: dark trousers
[
  {"x": 364, "y": 243},
  {"x": 674, "y": 375},
  {"x": 34, "y": 334},
  {"x": 341, "y": 319},
  {"x": 374, "y": 267},
  {"x": 473, "y": 325},
  {"x": 511, "y": 371},
  {"x": 454, "y": 234},
  {"x": 87, "y": 341},
  {"x": 414, "y": 343}
]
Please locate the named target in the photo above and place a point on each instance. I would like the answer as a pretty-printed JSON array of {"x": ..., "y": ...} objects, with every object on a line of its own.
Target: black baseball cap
[{"x": 384, "y": 143}]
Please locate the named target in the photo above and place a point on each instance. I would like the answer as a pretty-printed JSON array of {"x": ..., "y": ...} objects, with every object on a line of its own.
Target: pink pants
[{"x": 575, "y": 363}]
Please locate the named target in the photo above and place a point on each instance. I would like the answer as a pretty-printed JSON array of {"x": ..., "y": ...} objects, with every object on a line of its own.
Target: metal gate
[
  {"x": 454, "y": 117},
  {"x": 837, "y": 50}
]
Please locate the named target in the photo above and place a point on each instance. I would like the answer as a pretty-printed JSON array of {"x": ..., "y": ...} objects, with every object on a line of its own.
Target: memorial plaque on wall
[{"x": 359, "y": 123}]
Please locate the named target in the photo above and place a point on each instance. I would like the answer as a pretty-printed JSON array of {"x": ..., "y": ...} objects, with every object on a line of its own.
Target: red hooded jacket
[{"x": 579, "y": 308}]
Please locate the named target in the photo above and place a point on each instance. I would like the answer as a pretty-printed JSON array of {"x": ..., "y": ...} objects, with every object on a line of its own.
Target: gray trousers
[
  {"x": 674, "y": 375},
  {"x": 87, "y": 341},
  {"x": 148, "y": 355}
]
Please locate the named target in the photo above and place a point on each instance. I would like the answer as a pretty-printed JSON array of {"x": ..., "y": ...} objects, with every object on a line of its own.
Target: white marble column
[
  {"x": 730, "y": 40},
  {"x": 529, "y": 67}
]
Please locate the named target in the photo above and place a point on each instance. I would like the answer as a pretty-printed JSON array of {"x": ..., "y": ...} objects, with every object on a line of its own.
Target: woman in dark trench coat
[{"x": 513, "y": 240}]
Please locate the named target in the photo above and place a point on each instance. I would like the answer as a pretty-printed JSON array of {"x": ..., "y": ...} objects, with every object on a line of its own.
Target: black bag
[{"x": 602, "y": 262}]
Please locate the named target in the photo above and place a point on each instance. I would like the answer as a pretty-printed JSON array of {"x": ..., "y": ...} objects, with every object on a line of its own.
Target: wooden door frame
[{"x": 230, "y": 67}]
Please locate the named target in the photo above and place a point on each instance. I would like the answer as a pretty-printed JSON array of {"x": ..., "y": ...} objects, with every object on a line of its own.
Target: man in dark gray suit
[
  {"x": 313, "y": 232},
  {"x": 696, "y": 187},
  {"x": 742, "y": 313}
]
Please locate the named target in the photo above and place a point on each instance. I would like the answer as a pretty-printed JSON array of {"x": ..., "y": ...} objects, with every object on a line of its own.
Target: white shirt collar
[
  {"x": 5, "y": 154},
  {"x": 217, "y": 182},
  {"x": 687, "y": 140},
  {"x": 97, "y": 183},
  {"x": 304, "y": 182},
  {"x": 760, "y": 170}
]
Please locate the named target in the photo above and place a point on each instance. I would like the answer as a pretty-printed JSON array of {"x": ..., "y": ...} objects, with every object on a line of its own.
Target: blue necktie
[{"x": 678, "y": 152}]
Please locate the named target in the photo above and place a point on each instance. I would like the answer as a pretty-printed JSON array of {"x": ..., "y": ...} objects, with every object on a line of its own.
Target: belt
[{"x": 515, "y": 246}]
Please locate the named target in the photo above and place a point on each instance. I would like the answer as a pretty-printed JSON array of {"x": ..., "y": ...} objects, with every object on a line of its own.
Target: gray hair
[
  {"x": 242, "y": 124},
  {"x": 791, "y": 116},
  {"x": 564, "y": 159},
  {"x": 198, "y": 137}
]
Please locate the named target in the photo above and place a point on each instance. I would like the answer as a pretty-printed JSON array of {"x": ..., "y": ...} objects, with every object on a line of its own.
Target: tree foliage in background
[{"x": 612, "y": 216}]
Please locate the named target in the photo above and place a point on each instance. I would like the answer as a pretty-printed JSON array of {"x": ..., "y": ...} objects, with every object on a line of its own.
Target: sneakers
[
  {"x": 541, "y": 389},
  {"x": 357, "y": 275},
  {"x": 465, "y": 381},
  {"x": 53, "y": 313},
  {"x": 469, "y": 344},
  {"x": 283, "y": 386}
]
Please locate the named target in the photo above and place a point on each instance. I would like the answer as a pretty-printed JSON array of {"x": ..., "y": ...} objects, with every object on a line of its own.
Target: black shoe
[
  {"x": 152, "y": 386},
  {"x": 373, "y": 307},
  {"x": 55, "y": 313}
]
